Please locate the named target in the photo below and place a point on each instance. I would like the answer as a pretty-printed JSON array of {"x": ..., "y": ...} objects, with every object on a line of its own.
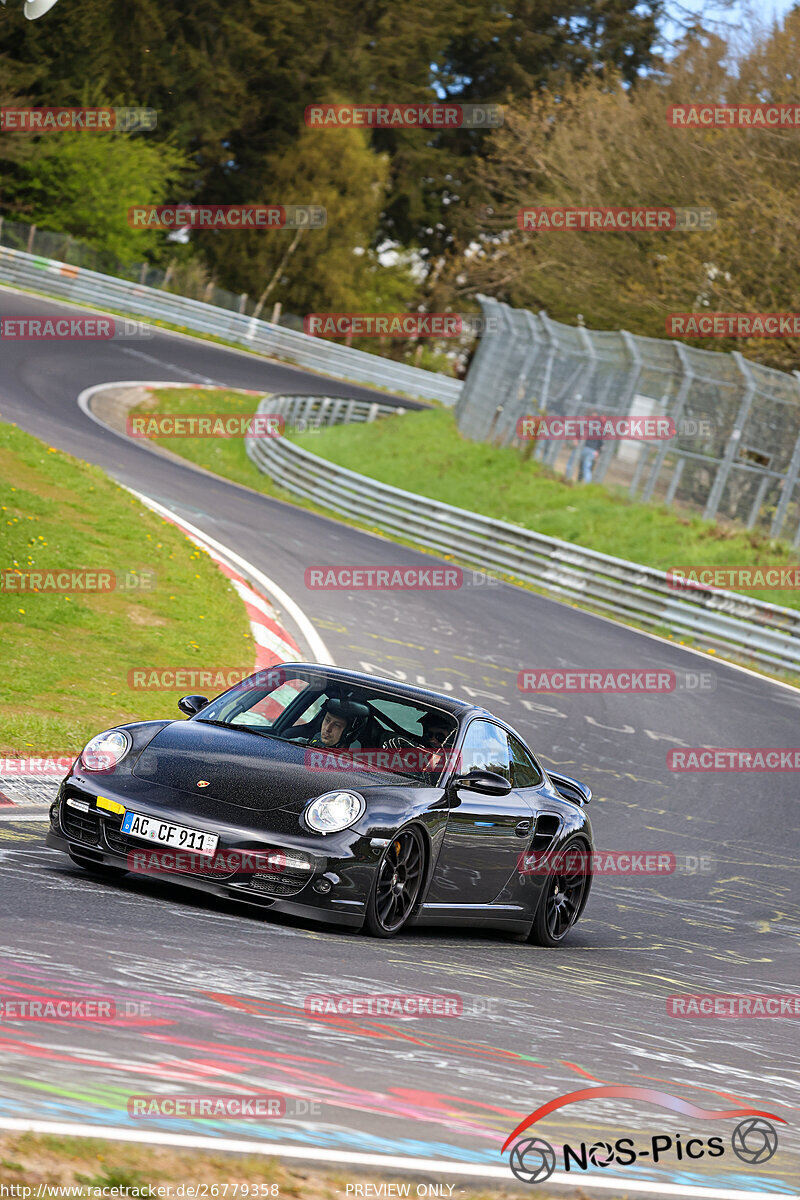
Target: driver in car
[
  {"x": 435, "y": 731},
  {"x": 336, "y": 721},
  {"x": 331, "y": 732}
]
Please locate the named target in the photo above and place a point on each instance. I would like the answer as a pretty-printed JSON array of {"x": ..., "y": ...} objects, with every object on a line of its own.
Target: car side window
[
  {"x": 486, "y": 749},
  {"x": 524, "y": 771}
]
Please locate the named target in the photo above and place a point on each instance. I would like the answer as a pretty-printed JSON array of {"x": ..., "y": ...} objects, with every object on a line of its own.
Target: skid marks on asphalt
[
  {"x": 24, "y": 831},
  {"x": 501, "y": 689},
  {"x": 256, "y": 1042}
]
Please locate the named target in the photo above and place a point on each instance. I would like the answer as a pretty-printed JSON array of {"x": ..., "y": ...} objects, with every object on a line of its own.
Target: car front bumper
[{"x": 333, "y": 892}]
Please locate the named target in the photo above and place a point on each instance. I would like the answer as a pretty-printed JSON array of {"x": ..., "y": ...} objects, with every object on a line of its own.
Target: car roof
[{"x": 423, "y": 696}]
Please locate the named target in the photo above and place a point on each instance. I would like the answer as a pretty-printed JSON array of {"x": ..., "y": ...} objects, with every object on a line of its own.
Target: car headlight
[
  {"x": 103, "y": 752},
  {"x": 334, "y": 811}
]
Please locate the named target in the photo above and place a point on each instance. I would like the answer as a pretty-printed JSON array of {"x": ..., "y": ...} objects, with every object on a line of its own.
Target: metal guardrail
[
  {"x": 760, "y": 632},
  {"x": 302, "y": 413},
  {"x": 81, "y": 286}
]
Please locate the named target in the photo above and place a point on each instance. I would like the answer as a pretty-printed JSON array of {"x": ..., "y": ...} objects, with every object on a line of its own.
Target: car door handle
[{"x": 522, "y": 828}]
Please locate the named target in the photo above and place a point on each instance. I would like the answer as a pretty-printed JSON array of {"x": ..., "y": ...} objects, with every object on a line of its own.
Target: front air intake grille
[
  {"x": 286, "y": 883},
  {"x": 80, "y": 826}
]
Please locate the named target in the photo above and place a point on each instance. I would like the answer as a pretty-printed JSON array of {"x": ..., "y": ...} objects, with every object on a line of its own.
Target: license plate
[{"x": 167, "y": 834}]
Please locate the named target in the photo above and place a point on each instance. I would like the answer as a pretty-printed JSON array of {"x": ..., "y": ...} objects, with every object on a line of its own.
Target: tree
[
  {"x": 598, "y": 143},
  {"x": 83, "y": 183},
  {"x": 231, "y": 80},
  {"x": 333, "y": 168}
]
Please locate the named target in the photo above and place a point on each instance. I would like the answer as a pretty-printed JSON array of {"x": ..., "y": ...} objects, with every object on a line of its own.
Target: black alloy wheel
[
  {"x": 397, "y": 884},
  {"x": 562, "y": 895}
]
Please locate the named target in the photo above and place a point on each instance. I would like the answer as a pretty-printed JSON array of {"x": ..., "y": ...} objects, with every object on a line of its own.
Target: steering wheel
[{"x": 400, "y": 743}]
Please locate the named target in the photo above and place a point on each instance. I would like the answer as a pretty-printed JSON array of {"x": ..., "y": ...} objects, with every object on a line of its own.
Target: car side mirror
[
  {"x": 487, "y": 783},
  {"x": 192, "y": 704}
]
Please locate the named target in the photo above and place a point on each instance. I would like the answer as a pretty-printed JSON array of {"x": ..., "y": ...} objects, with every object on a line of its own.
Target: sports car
[{"x": 345, "y": 798}]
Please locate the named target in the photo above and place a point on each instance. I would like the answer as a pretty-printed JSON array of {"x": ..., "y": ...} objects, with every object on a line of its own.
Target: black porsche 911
[{"x": 341, "y": 797}]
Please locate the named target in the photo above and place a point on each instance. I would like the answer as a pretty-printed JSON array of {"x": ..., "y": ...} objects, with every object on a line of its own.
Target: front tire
[
  {"x": 562, "y": 895},
  {"x": 101, "y": 870},
  {"x": 397, "y": 885}
]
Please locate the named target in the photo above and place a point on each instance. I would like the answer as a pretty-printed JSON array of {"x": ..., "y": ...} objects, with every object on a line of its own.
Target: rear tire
[
  {"x": 101, "y": 870},
  {"x": 397, "y": 884},
  {"x": 562, "y": 896}
]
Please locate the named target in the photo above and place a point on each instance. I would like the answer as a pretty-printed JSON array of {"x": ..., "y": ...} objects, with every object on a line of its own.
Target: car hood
[{"x": 245, "y": 770}]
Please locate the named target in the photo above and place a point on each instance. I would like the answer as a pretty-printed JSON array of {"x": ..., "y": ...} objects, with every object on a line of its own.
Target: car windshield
[{"x": 339, "y": 722}]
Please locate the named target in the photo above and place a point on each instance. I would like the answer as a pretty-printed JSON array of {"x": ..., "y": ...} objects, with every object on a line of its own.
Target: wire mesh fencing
[{"x": 735, "y": 452}]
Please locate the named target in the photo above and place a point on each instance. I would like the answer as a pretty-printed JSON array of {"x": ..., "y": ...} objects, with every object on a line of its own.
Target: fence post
[
  {"x": 634, "y": 372},
  {"x": 790, "y": 479},
  {"x": 481, "y": 369},
  {"x": 31, "y": 236},
  {"x": 718, "y": 486},
  {"x": 673, "y": 483},
  {"x": 680, "y": 400},
  {"x": 759, "y": 500},
  {"x": 583, "y": 377},
  {"x": 548, "y": 366}
]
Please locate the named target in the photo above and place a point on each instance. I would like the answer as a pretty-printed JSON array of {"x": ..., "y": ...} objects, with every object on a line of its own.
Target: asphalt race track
[{"x": 216, "y": 997}]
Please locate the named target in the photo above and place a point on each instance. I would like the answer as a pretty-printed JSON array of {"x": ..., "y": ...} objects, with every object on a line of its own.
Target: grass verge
[
  {"x": 67, "y": 655},
  {"x": 424, "y": 453}
]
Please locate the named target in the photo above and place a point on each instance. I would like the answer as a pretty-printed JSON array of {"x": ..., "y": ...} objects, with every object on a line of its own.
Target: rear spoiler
[{"x": 571, "y": 789}]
